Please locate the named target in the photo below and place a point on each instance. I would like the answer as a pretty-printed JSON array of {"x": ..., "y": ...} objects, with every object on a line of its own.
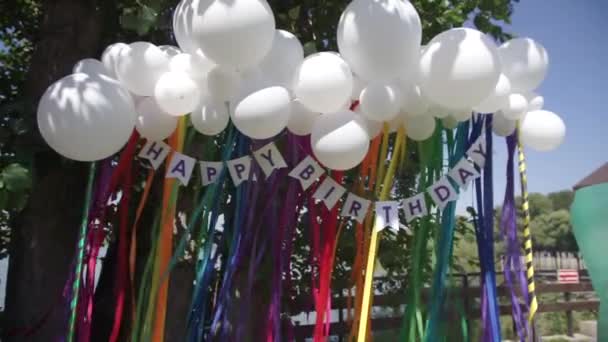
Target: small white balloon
[
  {"x": 542, "y": 130},
  {"x": 301, "y": 119},
  {"x": 324, "y": 82},
  {"x": 414, "y": 103},
  {"x": 176, "y": 93},
  {"x": 535, "y": 101},
  {"x": 263, "y": 114},
  {"x": 182, "y": 25},
  {"x": 380, "y": 38},
  {"x": 502, "y": 126},
  {"x": 340, "y": 140},
  {"x": 420, "y": 128},
  {"x": 223, "y": 83},
  {"x": 194, "y": 65},
  {"x": 91, "y": 66},
  {"x": 358, "y": 86},
  {"x": 498, "y": 99},
  {"x": 374, "y": 128},
  {"x": 251, "y": 80},
  {"x": 111, "y": 55},
  {"x": 152, "y": 122},
  {"x": 238, "y": 33},
  {"x": 283, "y": 59},
  {"x": 380, "y": 102},
  {"x": 140, "y": 66},
  {"x": 461, "y": 115},
  {"x": 449, "y": 122},
  {"x": 170, "y": 50},
  {"x": 210, "y": 118},
  {"x": 459, "y": 68},
  {"x": 85, "y": 117},
  {"x": 524, "y": 62},
  {"x": 516, "y": 107}
]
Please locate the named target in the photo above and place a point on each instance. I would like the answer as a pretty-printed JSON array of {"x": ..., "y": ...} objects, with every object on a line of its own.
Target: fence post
[{"x": 569, "y": 318}]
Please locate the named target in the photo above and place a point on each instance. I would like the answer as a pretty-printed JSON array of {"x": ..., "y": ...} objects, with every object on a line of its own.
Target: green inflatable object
[{"x": 589, "y": 214}]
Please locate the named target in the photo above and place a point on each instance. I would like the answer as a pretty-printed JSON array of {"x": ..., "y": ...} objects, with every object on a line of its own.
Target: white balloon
[
  {"x": 524, "y": 62},
  {"x": 420, "y": 128},
  {"x": 449, "y": 122},
  {"x": 461, "y": 115},
  {"x": 111, "y": 55},
  {"x": 535, "y": 101},
  {"x": 340, "y": 140},
  {"x": 542, "y": 130},
  {"x": 238, "y": 33},
  {"x": 358, "y": 86},
  {"x": 380, "y": 38},
  {"x": 140, "y": 66},
  {"x": 210, "y": 118},
  {"x": 502, "y": 126},
  {"x": 170, "y": 50},
  {"x": 380, "y": 102},
  {"x": 91, "y": 66},
  {"x": 301, "y": 119},
  {"x": 85, "y": 117},
  {"x": 373, "y": 127},
  {"x": 195, "y": 65},
  {"x": 283, "y": 59},
  {"x": 324, "y": 82},
  {"x": 516, "y": 107},
  {"x": 459, "y": 68},
  {"x": 152, "y": 122},
  {"x": 414, "y": 103},
  {"x": 176, "y": 93},
  {"x": 264, "y": 113},
  {"x": 182, "y": 25},
  {"x": 498, "y": 99},
  {"x": 223, "y": 83},
  {"x": 251, "y": 80}
]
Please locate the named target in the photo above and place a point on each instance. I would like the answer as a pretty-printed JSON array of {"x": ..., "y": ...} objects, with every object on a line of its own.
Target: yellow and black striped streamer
[{"x": 527, "y": 235}]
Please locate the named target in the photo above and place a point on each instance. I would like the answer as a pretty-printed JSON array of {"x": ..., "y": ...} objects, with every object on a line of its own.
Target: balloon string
[{"x": 371, "y": 257}]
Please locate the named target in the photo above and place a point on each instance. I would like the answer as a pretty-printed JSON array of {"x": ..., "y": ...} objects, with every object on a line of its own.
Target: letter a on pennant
[
  {"x": 387, "y": 215},
  {"x": 355, "y": 207},
  {"x": 442, "y": 192},
  {"x": 463, "y": 173},
  {"x": 181, "y": 167},
  {"x": 329, "y": 192},
  {"x": 269, "y": 159},
  {"x": 307, "y": 172},
  {"x": 240, "y": 169},
  {"x": 154, "y": 152}
]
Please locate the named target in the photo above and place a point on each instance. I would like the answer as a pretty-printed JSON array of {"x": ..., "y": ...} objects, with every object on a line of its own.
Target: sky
[{"x": 575, "y": 35}]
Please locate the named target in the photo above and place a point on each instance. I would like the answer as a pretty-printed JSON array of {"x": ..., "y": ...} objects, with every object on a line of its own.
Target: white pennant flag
[
  {"x": 442, "y": 192},
  {"x": 355, "y": 207},
  {"x": 181, "y": 167},
  {"x": 210, "y": 171},
  {"x": 307, "y": 172},
  {"x": 329, "y": 192},
  {"x": 414, "y": 206},
  {"x": 269, "y": 159},
  {"x": 154, "y": 152},
  {"x": 463, "y": 173},
  {"x": 477, "y": 152},
  {"x": 240, "y": 169},
  {"x": 387, "y": 215}
]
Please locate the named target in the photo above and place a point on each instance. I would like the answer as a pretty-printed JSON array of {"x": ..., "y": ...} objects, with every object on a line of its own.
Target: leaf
[{"x": 16, "y": 178}]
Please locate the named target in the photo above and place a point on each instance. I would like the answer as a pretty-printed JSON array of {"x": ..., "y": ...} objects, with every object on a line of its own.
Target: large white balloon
[
  {"x": 340, "y": 140},
  {"x": 140, "y": 66},
  {"x": 420, "y": 128},
  {"x": 502, "y": 126},
  {"x": 85, "y": 117},
  {"x": 524, "y": 62},
  {"x": 182, "y": 25},
  {"x": 210, "y": 118},
  {"x": 264, "y": 113},
  {"x": 111, "y": 55},
  {"x": 542, "y": 130},
  {"x": 380, "y": 38},
  {"x": 535, "y": 101},
  {"x": 91, "y": 66},
  {"x": 283, "y": 59},
  {"x": 414, "y": 103},
  {"x": 195, "y": 65},
  {"x": 176, "y": 93},
  {"x": 170, "y": 50},
  {"x": 223, "y": 83},
  {"x": 250, "y": 81},
  {"x": 324, "y": 82},
  {"x": 497, "y": 99},
  {"x": 152, "y": 122},
  {"x": 237, "y": 33},
  {"x": 358, "y": 86},
  {"x": 301, "y": 119},
  {"x": 516, "y": 107},
  {"x": 380, "y": 102},
  {"x": 373, "y": 127},
  {"x": 459, "y": 68}
]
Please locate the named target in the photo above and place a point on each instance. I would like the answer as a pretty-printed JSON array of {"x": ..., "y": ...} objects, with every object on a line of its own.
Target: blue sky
[{"x": 575, "y": 33}]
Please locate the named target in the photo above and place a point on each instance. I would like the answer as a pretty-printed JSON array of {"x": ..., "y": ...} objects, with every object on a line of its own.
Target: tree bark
[{"x": 43, "y": 240}]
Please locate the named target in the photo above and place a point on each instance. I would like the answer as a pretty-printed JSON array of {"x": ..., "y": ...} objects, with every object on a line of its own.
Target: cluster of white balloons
[{"x": 232, "y": 64}]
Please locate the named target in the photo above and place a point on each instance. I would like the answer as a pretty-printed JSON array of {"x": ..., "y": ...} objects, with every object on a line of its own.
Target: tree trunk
[{"x": 44, "y": 238}]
